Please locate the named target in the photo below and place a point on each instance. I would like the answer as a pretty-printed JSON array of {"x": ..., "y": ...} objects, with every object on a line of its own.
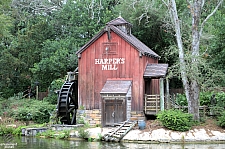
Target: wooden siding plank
[
  {"x": 121, "y": 54},
  {"x": 127, "y": 60},
  {"x": 92, "y": 78},
  {"x": 135, "y": 64}
]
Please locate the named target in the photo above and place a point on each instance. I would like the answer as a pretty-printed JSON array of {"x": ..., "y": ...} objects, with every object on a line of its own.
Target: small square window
[{"x": 109, "y": 48}]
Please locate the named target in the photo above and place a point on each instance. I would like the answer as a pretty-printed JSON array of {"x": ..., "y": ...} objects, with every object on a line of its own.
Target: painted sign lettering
[{"x": 110, "y": 63}]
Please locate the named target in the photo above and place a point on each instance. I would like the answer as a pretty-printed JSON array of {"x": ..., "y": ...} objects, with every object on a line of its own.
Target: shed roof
[
  {"x": 155, "y": 70},
  {"x": 132, "y": 40},
  {"x": 116, "y": 86}
]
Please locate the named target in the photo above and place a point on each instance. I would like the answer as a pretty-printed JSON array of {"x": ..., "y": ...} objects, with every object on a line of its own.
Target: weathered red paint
[{"x": 92, "y": 78}]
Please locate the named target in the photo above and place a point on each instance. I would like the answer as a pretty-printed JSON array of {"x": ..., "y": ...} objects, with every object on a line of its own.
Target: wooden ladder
[{"x": 122, "y": 128}]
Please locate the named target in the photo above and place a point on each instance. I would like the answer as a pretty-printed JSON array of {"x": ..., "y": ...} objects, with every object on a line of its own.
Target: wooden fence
[{"x": 152, "y": 104}]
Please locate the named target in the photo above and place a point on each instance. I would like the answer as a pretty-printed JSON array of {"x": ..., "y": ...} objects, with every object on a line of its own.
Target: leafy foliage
[
  {"x": 57, "y": 58},
  {"x": 52, "y": 95},
  {"x": 221, "y": 120},
  {"x": 147, "y": 18},
  {"x": 82, "y": 133},
  {"x": 27, "y": 109},
  {"x": 6, "y": 130},
  {"x": 48, "y": 133},
  {"x": 175, "y": 120},
  {"x": 39, "y": 39},
  {"x": 181, "y": 99},
  {"x": 215, "y": 34},
  {"x": 220, "y": 99},
  {"x": 205, "y": 98}
]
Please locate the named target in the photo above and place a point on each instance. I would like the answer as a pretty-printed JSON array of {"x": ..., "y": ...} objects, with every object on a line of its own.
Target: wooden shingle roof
[
  {"x": 155, "y": 70},
  {"x": 116, "y": 86},
  {"x": 112, "y": 26},
  {"x": 118, "y": 21}
]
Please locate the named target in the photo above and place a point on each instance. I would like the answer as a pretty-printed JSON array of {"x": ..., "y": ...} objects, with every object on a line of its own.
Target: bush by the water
[
  {"x": 27, "y": 109},
  {"x": 175, "y": 120}
]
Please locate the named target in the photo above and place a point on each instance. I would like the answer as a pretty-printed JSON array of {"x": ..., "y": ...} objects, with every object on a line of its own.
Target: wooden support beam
[
  {"x": 161, "y": 94},
  {"x": 168, "y": 103}
]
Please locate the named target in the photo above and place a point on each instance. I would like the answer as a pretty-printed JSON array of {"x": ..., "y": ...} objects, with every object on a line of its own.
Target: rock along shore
[{"x": 165, "y": 136}]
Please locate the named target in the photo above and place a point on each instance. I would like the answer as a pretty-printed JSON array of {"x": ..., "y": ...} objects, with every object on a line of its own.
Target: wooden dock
[{"x": 115, "y": 135}]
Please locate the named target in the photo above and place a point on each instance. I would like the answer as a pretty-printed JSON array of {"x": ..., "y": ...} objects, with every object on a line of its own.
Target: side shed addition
[
  {"x": 116, "y": 101},
  {"x": 115, "y": 74}
]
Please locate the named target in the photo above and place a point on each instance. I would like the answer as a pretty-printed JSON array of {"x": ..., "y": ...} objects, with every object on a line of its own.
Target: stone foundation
[
  {"x": 137, "y": 115},
  {"x": 93, "y": 117}
]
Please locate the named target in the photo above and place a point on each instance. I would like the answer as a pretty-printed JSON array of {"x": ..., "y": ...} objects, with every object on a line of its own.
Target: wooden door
[
  {"x": 109, "y": 112},
  {"x": 114, "y": 110}
]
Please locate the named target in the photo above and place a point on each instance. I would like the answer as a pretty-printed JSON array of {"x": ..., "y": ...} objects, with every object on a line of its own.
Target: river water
[{"x": 42, "y": 143}]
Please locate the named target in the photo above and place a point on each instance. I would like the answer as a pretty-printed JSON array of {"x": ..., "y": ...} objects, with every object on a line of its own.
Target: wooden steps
[{"x": 115, "y": 135}]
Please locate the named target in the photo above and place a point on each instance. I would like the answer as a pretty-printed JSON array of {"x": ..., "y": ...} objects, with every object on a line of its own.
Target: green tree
[
  {"x": 75, "y": 24},
  {"x": 214, "y": 52},
  {"x": 191, "y": 65},
  {"x": 81, "y": 19},
  {"x": 148, "y": 20},
  {"x": 57, "y": 57}
]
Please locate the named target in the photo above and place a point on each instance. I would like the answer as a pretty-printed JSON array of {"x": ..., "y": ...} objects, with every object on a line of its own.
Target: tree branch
[
  {"x": 189, "y": 3},
  {"x": 203, "y": 23},
  {"x": 203, "y": 3},
  {"x": 165, "y": 3}
]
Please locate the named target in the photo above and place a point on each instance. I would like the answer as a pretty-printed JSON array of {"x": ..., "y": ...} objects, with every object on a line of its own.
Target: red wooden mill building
[{"x": 119, "y": 76}]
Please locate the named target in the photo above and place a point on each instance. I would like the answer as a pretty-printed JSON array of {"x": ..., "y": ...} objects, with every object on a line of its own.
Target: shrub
[
  {"x": 48, "y": 134},
  {"x": 175, "y": 120},
  {"x": 221, "y": 120},
  {"x": 35, "y": 110},
  {"x": 82, "y": 133},
  {"x": 220, "y": 98},
  {"x": 52, "y": 98},
  {"x": 205, "y": 98},
  {"x": 6, "y": 130},
  {"x": 4, "y": 105},
  {"x": 55, "y": 85},
  {"x": 181, "y": 100},
  {"x": 18, "y": 130}
]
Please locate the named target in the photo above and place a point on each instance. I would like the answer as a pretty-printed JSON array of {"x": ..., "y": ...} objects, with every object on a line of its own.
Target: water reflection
[{"x": 41, "y": 143}]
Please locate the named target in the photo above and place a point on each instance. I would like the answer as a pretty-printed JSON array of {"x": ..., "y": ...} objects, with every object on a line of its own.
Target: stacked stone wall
[
  {"x": 93, "y": 117},
  {"x": 137, "y": 115}
]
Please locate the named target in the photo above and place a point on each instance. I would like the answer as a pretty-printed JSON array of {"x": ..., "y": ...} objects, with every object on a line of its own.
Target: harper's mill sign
[{"x": 110, "y": 63}]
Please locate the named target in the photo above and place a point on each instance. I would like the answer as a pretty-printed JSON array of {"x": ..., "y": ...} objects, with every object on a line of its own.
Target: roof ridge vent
[{"x": 122, "y": 24}]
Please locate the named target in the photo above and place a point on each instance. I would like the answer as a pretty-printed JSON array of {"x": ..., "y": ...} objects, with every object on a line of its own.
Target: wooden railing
[{"x": 151, "y": 104}]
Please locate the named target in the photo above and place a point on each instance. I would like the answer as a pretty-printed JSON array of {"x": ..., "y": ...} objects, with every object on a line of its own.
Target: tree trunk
[
  {"x": 191, "y": 84},
  {"x": 193, "y": 101},
  {"x": 191, "y": 87},
  {"x": 175, "y": 19}
]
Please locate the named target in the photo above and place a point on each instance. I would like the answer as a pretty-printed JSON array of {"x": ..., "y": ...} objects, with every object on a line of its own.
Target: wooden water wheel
[{"x": 67, "y": 103}]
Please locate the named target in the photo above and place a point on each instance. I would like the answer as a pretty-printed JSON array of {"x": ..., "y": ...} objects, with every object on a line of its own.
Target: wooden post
[
  {"x": 168, "y": 103},
  {"x": 37, "y": 92},
  {"x": 145, "y": 103},
  {"x": 204, "y": 111},
  {"x": 161, "y": 94}
]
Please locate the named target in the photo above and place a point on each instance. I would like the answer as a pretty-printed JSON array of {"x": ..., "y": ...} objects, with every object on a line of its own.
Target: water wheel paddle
[{"x": 67, "y": 103}]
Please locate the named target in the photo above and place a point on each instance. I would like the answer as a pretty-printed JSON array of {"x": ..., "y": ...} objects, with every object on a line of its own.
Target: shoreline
[
  {"x": 152, "y": 135},
  {"x": 166, "y": 136}
]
